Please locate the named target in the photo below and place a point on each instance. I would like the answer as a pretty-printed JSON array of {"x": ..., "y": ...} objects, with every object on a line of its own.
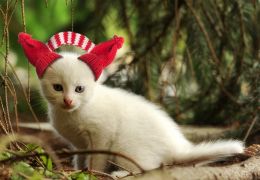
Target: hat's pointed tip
[
  {"x": 118, "y": 41},
  {"x": 23, "y": 36}
]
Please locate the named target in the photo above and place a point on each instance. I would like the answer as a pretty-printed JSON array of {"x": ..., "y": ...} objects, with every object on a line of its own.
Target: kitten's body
[{"x": 113, "y": 119}]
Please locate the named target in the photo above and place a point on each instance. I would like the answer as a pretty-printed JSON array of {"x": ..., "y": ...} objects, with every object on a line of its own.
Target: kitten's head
[{"x": 68, "y": 83}]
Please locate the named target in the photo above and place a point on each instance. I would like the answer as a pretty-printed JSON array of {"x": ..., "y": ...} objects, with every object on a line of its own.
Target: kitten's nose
[{"x": 67, "y": 101}]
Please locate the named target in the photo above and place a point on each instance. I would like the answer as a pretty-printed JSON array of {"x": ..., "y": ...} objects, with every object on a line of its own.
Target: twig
[
  {"x": 8, "y": 139},
  {"x": 250, "y": 128},
  {"x": 190, "y": 62},
  {"x": 71, "y": 153},
  {"x": 23, "y": 175},
  {"x": 12, "y": 90},
  {"x": 166, "y": 25},
  {"x": 24, "y": 93},
  {"x": 102, "y": 174},
  {"x": 11, "y": 15},
  {"x": 6, "y": 37},
  {"x": 211, "y": 21},
  {"x": 28, "y": 64},
  {"x": 242, "y": 36},
  {"x": 121, "y": 167},
  {"x": 204, "y": 32},
  {"x": 3, "y": 126},
  {"x": 213, "y": 54},
  {"x": 126, "y": 21}
]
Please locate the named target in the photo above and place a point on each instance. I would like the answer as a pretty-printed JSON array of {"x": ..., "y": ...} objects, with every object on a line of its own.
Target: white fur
[{"x": 117, "y": 120}]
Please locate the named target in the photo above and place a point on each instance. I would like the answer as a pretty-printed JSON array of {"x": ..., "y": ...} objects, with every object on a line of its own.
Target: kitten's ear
[
  {"x": 38, "y": 53},
  {"x": 102, "y": 55}
]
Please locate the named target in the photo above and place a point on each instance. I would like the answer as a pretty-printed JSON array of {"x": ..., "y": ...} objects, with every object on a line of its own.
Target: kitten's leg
[
  {"x": 98, "y": 162},
  {"x": 79, "y": 162}
]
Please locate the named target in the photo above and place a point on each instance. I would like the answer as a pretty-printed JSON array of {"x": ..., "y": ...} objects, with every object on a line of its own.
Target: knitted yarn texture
[{"x": 97, "y": 57}]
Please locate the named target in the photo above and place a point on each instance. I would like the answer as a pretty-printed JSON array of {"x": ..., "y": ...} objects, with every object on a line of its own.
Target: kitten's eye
[
  {"x": 57, "y": 87},
  {"x": 79, "y": 89}
]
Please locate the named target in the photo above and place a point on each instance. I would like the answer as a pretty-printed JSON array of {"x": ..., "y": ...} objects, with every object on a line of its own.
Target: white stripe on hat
[
  {"x": 85, "y": 42},
  {"x": 76, "y": 41},
  {"x": 69, "y": 37},
  {"x": 53, "y": 42},
  {"x": 91, "y": 47},
  {"x": 61, "y": 36}
]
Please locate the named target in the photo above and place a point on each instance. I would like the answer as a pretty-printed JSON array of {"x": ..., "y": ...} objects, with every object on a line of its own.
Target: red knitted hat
[{"x": 42, "y": 55}]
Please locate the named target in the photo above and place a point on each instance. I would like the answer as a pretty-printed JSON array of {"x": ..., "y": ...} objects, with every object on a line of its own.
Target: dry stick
[
  {"x": 11, "y": 14},
  {"x": 242, "y": 27},
  {"x": 6, "y": 37},
  {"x": 121, "y": 167},
  {"x": 3, "y": 16},
  {"x": 15, "y": 104},
  {"x": 241, "y": 46},
  {"x": 205, "y": 33},
  {"x": 24, "y": 93},
  {"x": 102, "y": 174},
  {"x": 31, "y": 139},
  {"x": 23, "y": 90},
  {"x": 3, "y": 124},
  {"x": 174, "y": 42},
  {"x": 13, "y": 92},
  {"x": 217, "y": 11},
  {"x": 126, "y": 21},
  {"x": 190, "y": 62},
  {"x": 28, "y": 64},
  {"x": 212, "y": 52},
  {"x": 7, "y": 22},
  {"x": 212, "y": 22},
  {"x": 165, "y": 27},
  {"x": 71, "y": 153},
  {"x": 23, "y": 15},
  {"x": 8, "y": 86},
  {"x": 250, "y": 128},
  {"x": 6, "y": 75}
]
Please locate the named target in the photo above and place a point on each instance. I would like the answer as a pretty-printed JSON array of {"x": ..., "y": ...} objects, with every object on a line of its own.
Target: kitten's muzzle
[{"x": 67, "y": 102}]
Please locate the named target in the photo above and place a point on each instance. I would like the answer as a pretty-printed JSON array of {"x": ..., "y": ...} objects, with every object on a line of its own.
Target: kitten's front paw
[{"x": 120, "y": 174}]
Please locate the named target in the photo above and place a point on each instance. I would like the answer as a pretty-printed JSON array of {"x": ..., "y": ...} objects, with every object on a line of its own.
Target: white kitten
[{"x": 82, "y": 110}]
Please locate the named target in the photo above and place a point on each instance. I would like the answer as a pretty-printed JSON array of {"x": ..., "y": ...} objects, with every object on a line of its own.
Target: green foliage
[
  {"x": 44, "y": 168},
  {"x": 82, "y": 176},
  {"x": 22, "y": 170},
  {"x": 5, "y": 155}
]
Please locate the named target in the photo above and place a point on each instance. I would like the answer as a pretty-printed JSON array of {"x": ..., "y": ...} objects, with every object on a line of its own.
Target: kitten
[{"x": 93, "y": 116}]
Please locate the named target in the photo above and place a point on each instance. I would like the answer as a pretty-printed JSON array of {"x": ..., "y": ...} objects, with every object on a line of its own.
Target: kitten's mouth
[{"x": 68, "y": 108}]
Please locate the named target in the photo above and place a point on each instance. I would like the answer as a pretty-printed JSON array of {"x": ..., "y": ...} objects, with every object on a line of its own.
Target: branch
[
  {"x": 215, "y": 59},
  {"x": 205, "y": 33},
  {"x": 71, "y": 153}
]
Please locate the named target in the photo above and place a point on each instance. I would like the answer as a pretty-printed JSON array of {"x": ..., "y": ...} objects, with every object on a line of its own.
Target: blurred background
[{"x": 199, "y": 60}]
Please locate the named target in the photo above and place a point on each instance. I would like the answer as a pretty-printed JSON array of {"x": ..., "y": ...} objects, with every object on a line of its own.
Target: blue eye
[
  {"x": 57, "y": 87},
  {"x": 79, "y": 89}
]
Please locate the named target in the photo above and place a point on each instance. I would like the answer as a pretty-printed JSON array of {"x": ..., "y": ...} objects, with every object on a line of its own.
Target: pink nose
[{"x": 67, "y": 102}]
